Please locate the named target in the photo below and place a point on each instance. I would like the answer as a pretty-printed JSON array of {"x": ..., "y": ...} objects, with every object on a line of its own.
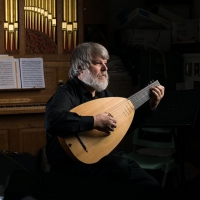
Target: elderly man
[{"x": 88, "y": 80}]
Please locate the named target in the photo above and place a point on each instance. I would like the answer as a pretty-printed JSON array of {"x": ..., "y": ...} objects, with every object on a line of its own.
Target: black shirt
[{"x": 59, "y": 121}]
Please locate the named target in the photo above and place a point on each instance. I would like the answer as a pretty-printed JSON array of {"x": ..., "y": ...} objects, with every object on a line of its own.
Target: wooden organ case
[{"x": 35, "y": 28}]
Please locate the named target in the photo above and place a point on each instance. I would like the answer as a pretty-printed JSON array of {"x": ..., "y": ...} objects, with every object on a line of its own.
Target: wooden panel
[
  {"x": 95, "y": 12},
  {"x": 4, "y": 140},
  {"x": 55, "y": 71},
  {"x": 95, "y": 20},
  {"x": 14, "y": 128},
  {"x": 21, "y": 121},
  {"x": 50, "y": 81},
  {"x": 31, "y": 140},
  {"x": 62, "y": 73},
  {"x": 14, "y": 141}
]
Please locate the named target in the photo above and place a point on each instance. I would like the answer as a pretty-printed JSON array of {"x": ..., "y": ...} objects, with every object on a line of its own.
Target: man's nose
[{"x": 104, "y": 66}]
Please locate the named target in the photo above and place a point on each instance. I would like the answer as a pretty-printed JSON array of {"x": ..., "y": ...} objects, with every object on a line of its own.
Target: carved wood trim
[{"x": 39, "y": 43}]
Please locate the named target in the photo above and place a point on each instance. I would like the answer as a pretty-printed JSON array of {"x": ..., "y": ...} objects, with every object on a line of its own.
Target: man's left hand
[{"x": 157, "y": 94}]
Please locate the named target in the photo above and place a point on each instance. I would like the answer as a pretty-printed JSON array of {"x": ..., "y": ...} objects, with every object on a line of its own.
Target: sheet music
[
  {"x": 32, "y": 73},
  {"x": 17, "y": 73},
  {"x": 7, "y": 73}
]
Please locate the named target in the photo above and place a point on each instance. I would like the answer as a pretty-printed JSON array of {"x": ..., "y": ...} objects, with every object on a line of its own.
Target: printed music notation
[{"x": 18, "y": 73}]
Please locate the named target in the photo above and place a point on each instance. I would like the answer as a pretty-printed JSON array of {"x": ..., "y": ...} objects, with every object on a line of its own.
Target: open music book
[{"x": 20, "y": 73}]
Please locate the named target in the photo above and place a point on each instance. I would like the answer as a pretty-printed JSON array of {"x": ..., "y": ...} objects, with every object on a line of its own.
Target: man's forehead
[{"x": 100, "y": 59}]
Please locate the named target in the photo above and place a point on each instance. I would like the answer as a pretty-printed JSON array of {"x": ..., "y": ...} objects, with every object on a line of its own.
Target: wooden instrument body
[{"x": 96, "y": 142}]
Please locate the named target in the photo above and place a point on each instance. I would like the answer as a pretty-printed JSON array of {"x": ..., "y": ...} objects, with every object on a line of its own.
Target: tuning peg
[{"x": 151, "y": 82}]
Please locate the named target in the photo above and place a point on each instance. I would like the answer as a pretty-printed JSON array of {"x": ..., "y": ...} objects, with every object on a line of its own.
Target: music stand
[{"x": 178, "y": 110}]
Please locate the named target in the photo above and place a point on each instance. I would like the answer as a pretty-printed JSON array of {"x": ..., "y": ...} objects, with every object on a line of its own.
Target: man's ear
[{"x": 80, "y": 71}]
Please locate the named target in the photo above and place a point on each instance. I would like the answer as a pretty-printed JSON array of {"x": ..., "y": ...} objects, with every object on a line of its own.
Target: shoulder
[
  {"x": 109, "y": 93},
  {"x": 70, "y": 85},
  {"x": 104, "y": 93}
]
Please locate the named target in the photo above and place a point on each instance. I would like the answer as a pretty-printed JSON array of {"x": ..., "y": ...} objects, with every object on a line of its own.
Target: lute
[{"x": 90, "y": 146}]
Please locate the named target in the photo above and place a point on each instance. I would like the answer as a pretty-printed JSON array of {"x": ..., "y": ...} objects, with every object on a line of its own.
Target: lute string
[{"x": 136, "y": 99}]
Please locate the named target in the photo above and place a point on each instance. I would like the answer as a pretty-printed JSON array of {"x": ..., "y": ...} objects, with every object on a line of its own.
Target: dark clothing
[{"x": 59, "y": 121}]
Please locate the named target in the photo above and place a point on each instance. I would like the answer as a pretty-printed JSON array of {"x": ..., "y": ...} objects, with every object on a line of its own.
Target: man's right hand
[{"x": 105, "y": 122}]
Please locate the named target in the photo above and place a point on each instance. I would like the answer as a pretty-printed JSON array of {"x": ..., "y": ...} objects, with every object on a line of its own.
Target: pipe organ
[
  {"x": 11, "y": 24},
  {"x": 35, "y": 28},
  {"x": 40, "y": 20},
  {"x": 69, "y": 24}
]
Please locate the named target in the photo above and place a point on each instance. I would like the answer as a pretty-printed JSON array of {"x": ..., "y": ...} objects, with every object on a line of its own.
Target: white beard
[{"x": 93, "y": 81}]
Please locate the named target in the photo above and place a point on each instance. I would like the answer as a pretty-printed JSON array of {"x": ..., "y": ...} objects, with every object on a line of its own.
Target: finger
[
  {"x": 110, "y": 115},
  {"x": 111, "y": 128},
  {"x": 113, "y": 125},
  {"x": 108, "y": 132},
  {"x": 157, "y": 95},
  {"x": 161, "y": 89},
  {"x": 158, "y": 91}
]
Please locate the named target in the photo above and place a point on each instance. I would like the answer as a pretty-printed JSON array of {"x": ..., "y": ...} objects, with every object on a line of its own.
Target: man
[{"x": 88, "y": 80}]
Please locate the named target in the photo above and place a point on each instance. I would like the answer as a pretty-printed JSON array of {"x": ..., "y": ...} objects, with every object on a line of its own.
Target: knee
[{"x": 122, "y": 172}]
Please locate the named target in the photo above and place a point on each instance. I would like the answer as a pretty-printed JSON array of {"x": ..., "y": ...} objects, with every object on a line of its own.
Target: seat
[{"x": 154, "y": 149}]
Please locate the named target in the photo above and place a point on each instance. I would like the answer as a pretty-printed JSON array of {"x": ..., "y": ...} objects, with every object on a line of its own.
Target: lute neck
[{"x": 142, "y": 96}]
